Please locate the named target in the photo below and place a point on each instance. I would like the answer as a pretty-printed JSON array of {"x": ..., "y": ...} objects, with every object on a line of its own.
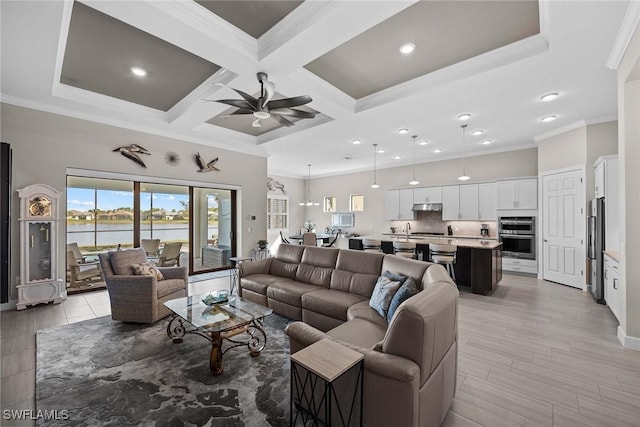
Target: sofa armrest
[
  {"x": 254, "y": 267},
  {"x": 387, "y": 365},
  {"x": 175, "y": 273}
]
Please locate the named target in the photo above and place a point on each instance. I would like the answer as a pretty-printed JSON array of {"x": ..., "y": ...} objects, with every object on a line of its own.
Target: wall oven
[{"x": 518, "y": 237}]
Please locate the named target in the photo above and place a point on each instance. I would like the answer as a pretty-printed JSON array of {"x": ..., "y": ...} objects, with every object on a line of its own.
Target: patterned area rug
[{"x": 112, "y": 373}]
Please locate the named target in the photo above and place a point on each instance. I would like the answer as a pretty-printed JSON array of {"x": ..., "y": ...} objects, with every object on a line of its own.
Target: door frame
[{"x": 539, "y": 236}]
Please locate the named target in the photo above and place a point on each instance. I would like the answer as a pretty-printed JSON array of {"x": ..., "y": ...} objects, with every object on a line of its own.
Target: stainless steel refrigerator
[{"x": 596, "y": 240}]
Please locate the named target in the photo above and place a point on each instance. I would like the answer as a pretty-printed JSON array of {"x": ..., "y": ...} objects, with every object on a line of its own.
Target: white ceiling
[{"x": 501, "y": 88}]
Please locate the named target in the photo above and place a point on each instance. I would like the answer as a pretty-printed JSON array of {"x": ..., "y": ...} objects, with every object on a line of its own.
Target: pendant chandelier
[
  {"x": 413, "y": 181},
  {"x": 375, "y": 153},
  {"x": 308, "y": 201},
  {"x": 464, "y": 176}
]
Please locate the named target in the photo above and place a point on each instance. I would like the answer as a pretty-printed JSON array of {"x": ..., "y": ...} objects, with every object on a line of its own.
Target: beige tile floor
[{"x": 532, "y": 354}]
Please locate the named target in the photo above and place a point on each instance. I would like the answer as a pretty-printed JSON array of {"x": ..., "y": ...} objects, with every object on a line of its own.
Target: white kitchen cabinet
[
  {"x": 460, "y": 202},
  {"x": 518, "y": 194},
  {"x": 487, "y": 201},
  {"x": 606, "y": 183},
  {"x": 400, "y": 204},
  {"x": 612, "y": 285},
  {"x": 427, "y": 195}
]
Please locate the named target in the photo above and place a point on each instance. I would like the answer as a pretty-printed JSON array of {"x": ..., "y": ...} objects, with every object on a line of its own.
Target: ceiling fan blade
[
  {"x": 240, "y": 111},
  {"x": 294, "y": 113},
  {"x": 270, "y": 90},
  {"x": 250, "y": 99},
  {"x": 256, "y": 124},
  {"x": 289, "y": 102},
  {"x": 238, "y": 103},
  {"x": 282, "y": 120}
]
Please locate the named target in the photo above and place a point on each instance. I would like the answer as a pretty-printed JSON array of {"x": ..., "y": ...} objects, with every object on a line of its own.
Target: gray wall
[{"x": 44, "y": 145}]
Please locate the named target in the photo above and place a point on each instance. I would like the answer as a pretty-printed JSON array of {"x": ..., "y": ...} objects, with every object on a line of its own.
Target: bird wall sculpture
[
  {"x": 131, "y": 152},
  {"x": 209, "y": 167}
]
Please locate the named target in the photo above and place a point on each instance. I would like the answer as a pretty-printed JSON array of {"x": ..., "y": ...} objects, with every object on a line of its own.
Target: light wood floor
[{"x": 534, "y": 353}]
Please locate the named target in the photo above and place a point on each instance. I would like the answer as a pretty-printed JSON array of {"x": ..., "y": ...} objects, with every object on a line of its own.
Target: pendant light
[
  {"x": 464, "y": 176},
  {"x": 308, "y": 201},
  {"x": 413, "y": 181},
  {"x": 375, "y": 153}
]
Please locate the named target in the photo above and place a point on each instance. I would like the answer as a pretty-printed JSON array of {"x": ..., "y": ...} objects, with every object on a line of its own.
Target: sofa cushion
[
  {"x": 359, "y": 332},
  {"x": 320, "y": 257},
  {"x": 383, "y": 294},
  {"x": 330, "y": 302},
  {"x": 283, "y": 269},
  {"x": 258, "y": 283},
  {"x": 360, "y": 262},
  {"x": 355, "y": 283},
  {"x": 320, "y": 276},
  {"x": 147, "y": 269},
  {"x": 122, "y": 261},
  {"x": 289, "y": 292},
  {"x": 363, "y": 311},
  {"x": 169, "y": 286},
  {"x": 289, "y": 253},
  {"x": 406, "y": 291}
]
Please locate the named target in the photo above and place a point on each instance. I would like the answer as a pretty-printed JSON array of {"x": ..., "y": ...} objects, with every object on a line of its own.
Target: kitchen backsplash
[{"x": 432, "y": 222}]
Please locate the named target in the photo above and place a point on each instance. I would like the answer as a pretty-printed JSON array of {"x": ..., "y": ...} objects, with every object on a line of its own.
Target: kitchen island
[{"x": 478, "y": 261}]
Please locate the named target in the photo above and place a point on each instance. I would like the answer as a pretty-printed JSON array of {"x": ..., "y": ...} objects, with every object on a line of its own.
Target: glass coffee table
[{"x": 237, "y": 321}]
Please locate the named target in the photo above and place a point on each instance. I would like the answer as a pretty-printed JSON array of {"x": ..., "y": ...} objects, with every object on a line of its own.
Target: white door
[{"x": 563, "y": 227}]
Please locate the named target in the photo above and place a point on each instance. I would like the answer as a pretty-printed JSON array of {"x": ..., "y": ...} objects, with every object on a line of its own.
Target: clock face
[{"x": 40, "y": 206}]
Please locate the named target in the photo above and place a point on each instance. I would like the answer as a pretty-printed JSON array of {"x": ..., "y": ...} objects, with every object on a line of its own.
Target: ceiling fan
[{"x": 264, "y": 107}]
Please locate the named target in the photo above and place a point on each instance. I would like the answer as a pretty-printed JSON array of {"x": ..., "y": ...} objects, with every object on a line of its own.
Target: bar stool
[
  {"x": 371, "y": 245},
  {"x": 444, "y": 255},
  {"x": 405, "y": 249}
]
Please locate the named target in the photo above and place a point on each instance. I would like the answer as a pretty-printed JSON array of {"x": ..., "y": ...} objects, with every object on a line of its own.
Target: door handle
[
  {"x": 545, "y": 240},
  {"x": 615, "y": 281}
]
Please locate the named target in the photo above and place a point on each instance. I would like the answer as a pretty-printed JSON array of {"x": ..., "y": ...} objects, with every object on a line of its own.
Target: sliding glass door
[{"x": 107, "y": 214}]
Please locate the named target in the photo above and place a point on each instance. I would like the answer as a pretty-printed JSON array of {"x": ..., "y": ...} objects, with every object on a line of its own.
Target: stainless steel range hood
[{"x": 427, "y": 207}]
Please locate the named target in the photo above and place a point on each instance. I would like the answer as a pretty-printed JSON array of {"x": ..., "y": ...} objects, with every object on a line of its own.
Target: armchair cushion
[
  {"x": 382, "y": 295},
  {"x": 122, "y": 261},
  {"x": 169, "y": 286},
  {"x": 147, "y": 269}
]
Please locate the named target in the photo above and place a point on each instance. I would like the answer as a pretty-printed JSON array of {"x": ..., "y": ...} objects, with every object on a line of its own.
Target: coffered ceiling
[{"x": 491, "y": 59}]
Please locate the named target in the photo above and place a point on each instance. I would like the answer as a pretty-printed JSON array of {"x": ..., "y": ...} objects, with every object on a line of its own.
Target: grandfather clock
[{"x": 39, "y": 278}]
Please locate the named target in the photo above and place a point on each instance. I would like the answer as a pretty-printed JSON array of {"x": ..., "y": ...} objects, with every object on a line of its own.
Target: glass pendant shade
[
  {"x": 464, "y": 176},
  {"x": 414, "y": 181},
  {"x": 375, "y": 153}
]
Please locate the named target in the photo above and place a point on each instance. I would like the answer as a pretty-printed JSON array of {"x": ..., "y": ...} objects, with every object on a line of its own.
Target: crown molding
[
  {"x": 603, "y": 119},
  {"x": 560, "y": 130},
  {"x": 233, "y": 143},
  {"x": 629, "y": 24}
]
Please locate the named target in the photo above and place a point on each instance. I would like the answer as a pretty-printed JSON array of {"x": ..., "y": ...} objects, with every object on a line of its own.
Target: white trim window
[{"x": 277, "y": 213}]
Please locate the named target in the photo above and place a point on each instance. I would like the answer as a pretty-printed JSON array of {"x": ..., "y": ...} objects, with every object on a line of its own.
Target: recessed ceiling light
[
  {"x": 356, "y": 142},
  {"x": 487, "y": 142},
  {"x": 380, "y": 150},
  {"x": 477, "y": 132},
  {"x": 437, "y": 150},
  {"x": 548, "y": 118},
  {"x": 464, "y": 117},
  {"x": 397, "y": 157},
  {"x": 347, "y": 158},
  {"x": 425, "y": 142},
  {"x": 549, "y": 97},
  {"x": 140, "y": 72},
  {"x": 407, "y": 48},
  {"x": 403, "y": 131}
]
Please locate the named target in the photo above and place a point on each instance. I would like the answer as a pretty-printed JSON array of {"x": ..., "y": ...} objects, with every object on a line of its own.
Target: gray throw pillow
[
  {"x": 395, "y": 277},
  {"x": 406, "y": 291},
  {"x": 383, "y": 292}
]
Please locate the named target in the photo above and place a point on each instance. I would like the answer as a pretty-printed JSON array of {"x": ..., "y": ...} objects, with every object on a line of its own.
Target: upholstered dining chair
[
  {"x": 284, "y": 239},
  {"x": 331, "y": 242},
  {"x": 310, "y": 239},
  {"x": 170, "y": 255},
  {"x": 151, "y": 247},
  {"x": 140, "y": 298}
]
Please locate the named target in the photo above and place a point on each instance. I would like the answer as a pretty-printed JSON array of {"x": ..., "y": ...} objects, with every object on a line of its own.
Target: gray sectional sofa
[{"x": 410, "y": 361}]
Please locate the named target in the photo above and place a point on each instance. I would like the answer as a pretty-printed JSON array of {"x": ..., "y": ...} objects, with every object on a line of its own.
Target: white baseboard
[
  {"x": 11, "y": 305},
  {"x": 632, "y": 343}
]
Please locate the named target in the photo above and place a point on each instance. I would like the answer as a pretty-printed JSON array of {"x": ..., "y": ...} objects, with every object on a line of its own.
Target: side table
[
  {"x": 315, "y": 372},
  {"x": 235, "y": 273}
]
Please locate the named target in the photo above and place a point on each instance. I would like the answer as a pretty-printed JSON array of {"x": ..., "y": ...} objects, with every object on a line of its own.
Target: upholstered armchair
[{"x": 140, "y": 298}]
